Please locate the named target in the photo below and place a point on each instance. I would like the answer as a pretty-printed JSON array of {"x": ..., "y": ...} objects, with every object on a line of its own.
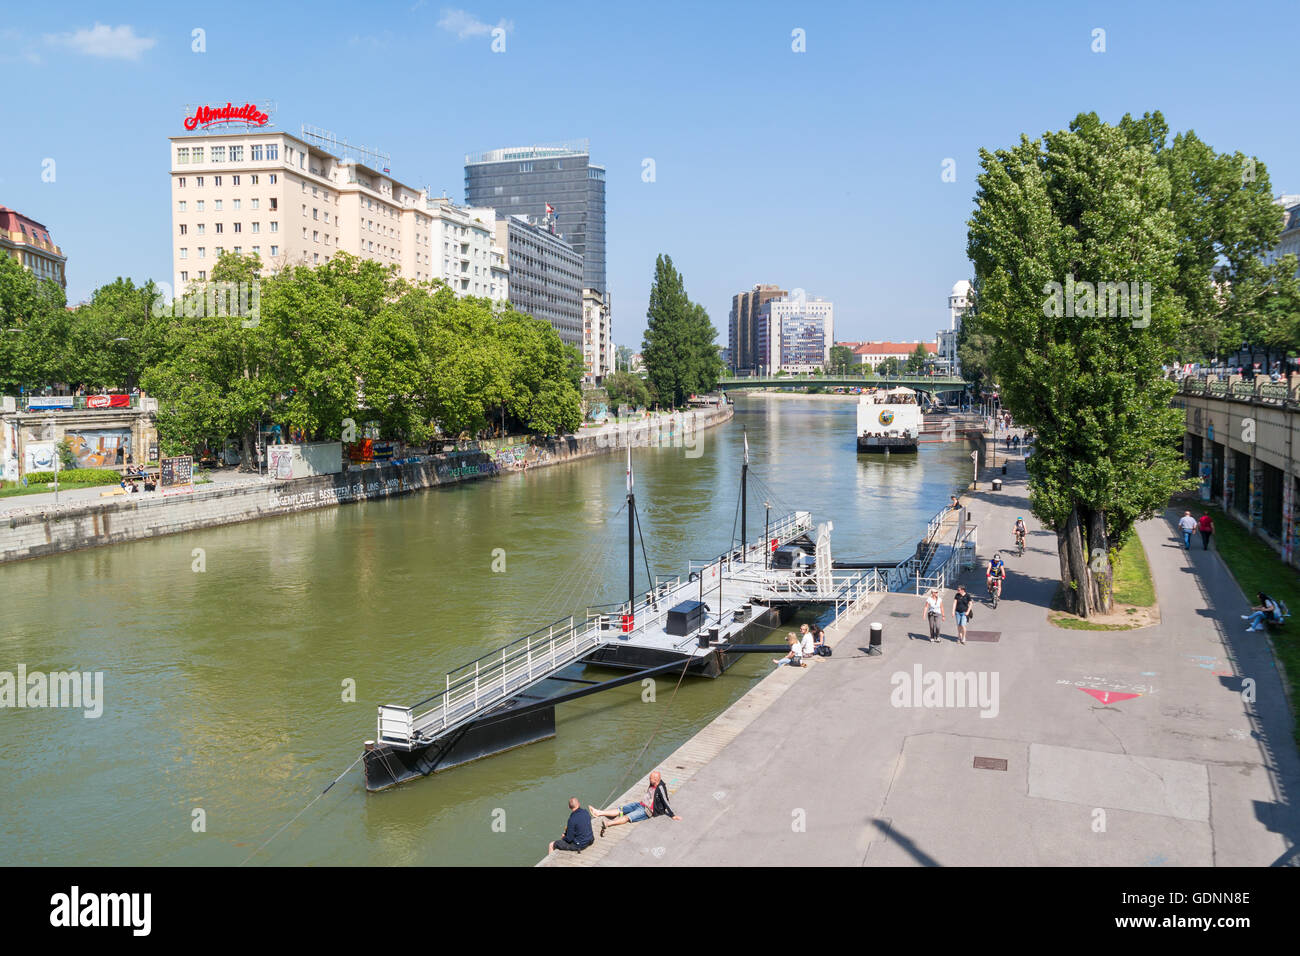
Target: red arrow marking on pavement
[{"x": 1107, "y": 696}]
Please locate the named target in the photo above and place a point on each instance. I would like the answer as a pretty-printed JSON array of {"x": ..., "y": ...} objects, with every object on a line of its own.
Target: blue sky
[{"x": 819, "y": 170}]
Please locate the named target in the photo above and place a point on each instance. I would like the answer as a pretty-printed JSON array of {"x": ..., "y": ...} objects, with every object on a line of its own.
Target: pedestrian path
[{"x": 1132, "y": 748}]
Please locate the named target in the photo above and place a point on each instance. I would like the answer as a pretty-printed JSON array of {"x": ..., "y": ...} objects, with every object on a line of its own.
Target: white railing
[{"x": 962, "y": 558}]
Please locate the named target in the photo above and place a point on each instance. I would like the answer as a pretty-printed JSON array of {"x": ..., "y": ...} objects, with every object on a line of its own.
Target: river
[{"x": 224, "y": 689}]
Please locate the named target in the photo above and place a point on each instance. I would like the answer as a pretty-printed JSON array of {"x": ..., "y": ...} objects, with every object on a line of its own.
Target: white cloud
[
  {"x": 118, "y": 43},
  {"x": 464, "y": 24}
]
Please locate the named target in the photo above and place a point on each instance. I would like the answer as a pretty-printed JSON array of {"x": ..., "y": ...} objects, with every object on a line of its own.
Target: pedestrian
[
  {"x": 961, "y": 611},
  {"x": 1207, "y": 528},
  {"x": 577, "y": 834},
  {"x": 934, "y": 613},
  {"x": 1187, "y": 525}
]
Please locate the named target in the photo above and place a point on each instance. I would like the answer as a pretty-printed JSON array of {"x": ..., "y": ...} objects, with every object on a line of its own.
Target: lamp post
[
  {"x": 767, "y": 544},
  {"x": 50, "y": 419}
]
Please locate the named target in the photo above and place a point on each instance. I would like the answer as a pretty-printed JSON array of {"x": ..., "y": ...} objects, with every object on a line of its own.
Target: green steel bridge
[{"x": 930, "y": 384}]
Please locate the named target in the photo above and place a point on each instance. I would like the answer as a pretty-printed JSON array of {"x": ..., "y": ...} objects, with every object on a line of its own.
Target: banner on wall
[
  {"x": 97, "y": 447},
  {"x": 108, "y": 401},
  {"x": 40, "y": 456}
]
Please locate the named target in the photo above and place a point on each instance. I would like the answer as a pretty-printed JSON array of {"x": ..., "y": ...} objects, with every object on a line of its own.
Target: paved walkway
[
  {"x": 71, "y": 496},
  {"x": 831, "y": 772}
]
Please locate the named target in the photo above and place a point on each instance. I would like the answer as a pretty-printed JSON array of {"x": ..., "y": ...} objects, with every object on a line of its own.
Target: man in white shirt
[{"x": 1187, "y": 525}]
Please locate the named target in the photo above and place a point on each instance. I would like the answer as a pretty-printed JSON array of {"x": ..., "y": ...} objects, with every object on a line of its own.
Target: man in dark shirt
[{"x": 577, "y": 835}]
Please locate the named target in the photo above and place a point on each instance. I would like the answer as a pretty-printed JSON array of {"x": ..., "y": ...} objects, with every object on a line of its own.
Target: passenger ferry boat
[{"x": 889, "y": 420}]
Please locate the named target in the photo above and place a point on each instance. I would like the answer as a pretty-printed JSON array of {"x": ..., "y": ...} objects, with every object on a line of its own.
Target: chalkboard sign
[{"x": 176, "y": 474}]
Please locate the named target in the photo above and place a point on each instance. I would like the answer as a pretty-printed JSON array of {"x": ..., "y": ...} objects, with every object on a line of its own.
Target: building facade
[
  {"x": 743, "y": 327},
  {"x": 794, "y": 334},
  {"x": 545, "y": 275},
  {"x": 554, "y": 180},
  {"x": 294, "y": 203},
  {"x": 597, "y": 336},
  {"x": 29, "y": 242},
  {"x": 959, "y": 299},
  {"x": 873, "y": 353},
  {"x": 1289, "y": 242}
]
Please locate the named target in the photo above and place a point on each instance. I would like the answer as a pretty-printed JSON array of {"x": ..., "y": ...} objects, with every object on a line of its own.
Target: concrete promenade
[{"x": 819, "y": 767}]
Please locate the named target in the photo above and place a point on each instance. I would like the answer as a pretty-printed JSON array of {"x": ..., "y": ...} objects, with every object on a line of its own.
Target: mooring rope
[{"x": 305, "y": 809}]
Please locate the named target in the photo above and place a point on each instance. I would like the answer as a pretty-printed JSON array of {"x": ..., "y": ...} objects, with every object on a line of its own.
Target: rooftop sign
[{"x": 205, "y": 117}]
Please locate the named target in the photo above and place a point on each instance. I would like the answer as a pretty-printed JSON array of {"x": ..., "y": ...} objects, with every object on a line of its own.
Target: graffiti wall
[{"x": 97, "y": 447}]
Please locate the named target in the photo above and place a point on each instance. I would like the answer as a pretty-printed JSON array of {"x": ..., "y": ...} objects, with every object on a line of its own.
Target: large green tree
[
  {"x": 841, "y": 359},
  {"x": 678, "y": 350},
  {"x": 1055, "y": 219}
]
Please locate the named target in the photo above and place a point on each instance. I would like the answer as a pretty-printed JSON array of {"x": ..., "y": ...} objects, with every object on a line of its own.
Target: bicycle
[
  {"x": 995, "y": 589},
  {"x": 1020, "y": 543}
]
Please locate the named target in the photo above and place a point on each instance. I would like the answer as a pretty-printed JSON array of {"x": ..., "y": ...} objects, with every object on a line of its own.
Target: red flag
[{"x": 549, "y": 209}]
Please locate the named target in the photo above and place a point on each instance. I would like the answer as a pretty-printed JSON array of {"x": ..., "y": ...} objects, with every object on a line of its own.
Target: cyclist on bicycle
[
  {"x": 997, "y": 572},
  {"x": 1020, "y": 533}
]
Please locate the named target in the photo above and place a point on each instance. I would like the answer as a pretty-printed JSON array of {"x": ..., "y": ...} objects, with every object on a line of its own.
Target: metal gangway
[{"x": 473, "y": 689}]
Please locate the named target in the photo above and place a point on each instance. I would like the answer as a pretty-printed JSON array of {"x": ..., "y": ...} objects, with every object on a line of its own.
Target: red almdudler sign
[{"x": 207, "y": 116}]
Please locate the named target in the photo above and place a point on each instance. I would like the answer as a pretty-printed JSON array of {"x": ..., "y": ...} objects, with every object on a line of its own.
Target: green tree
[
  {"x": 678, "y": 350},
  {"x": 624, "y": 388},
  {"x": 841, "y": 359},
  {"x": 890, "y": 366},
  {"x": 916, "y": 361},
  {"x": 34, "y": 328},
  {"x": 1054, "y": 219}
]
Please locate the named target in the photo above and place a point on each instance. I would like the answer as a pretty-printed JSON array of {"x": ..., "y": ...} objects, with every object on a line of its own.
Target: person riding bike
[
  {"x": 996, "y": 574},
  {"x": 1020, "y": 533}
]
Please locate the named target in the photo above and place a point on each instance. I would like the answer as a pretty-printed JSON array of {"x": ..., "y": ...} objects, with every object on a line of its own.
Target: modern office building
[
  {"x": 551, "y": 180},
  {"x": 293, "y": 202},
  {"x": 597, "y": 336},
  {"x": 545, "y": 274},
  {"x": 794, "y": 334},
  {"x": 29, "y": 242},
  {"x": 743, "y": 329}
]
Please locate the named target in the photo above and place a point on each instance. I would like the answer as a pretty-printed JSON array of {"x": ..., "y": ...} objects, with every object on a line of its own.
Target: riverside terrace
[
  {"x": 93, "y": 425},
  {"x": 1243, "y": 440}
]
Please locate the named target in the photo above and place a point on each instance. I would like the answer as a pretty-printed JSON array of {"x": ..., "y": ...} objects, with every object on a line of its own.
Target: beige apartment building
[
  {"x": 29, "y": 242},
  {"x": 294, "y": 203},
  {"x": 597, "y": 336}
]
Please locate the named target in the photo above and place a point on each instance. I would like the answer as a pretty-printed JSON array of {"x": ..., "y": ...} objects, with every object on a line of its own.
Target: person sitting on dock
[
  {"x": 807, "y": 641},
  {"x": 577, "y": 834},
  {"x": 795, "y": 657},
  {"x": 654, "y": 804}
]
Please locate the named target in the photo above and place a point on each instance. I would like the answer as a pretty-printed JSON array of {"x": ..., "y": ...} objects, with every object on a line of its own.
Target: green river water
[{"x": 223, "y": 689}]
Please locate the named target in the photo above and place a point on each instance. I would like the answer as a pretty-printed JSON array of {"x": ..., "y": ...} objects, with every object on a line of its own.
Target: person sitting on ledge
[
  {"x": 577, "y": 835},
  {"x": 653, "y": 804}
]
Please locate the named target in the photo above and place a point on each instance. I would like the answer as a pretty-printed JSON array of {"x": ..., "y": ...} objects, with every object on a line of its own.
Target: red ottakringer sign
[{"x": 207, "y": 116}]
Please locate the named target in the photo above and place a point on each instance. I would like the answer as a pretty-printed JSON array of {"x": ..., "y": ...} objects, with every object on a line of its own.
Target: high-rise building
[
  {"x": 597, "y": 336},
  {"x": 294, "y": 203},
  {"x": 29, "y": 242},
  {"x": 743, "y": 327},
  {"x": 946, "y": 339},
  {"x": 556, "y": 180},
  {"x": 795, "y": 334},
  {"x": 545, "y": 274}
]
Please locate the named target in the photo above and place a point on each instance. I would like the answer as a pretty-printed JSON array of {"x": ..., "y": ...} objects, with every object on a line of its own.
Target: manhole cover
[
  {"x": 990, "y": 637},
  {"x": 990, "y": 763}
]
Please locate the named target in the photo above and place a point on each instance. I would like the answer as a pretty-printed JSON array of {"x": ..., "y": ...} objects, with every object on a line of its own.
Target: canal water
[{"x": 224, "y": 711}]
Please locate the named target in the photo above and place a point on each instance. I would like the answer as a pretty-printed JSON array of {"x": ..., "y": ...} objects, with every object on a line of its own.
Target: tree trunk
[
  {"x": 1078, "y": 589},
  {"x": 1100, "y": 571},
  {"x": 247, "y": 443}
]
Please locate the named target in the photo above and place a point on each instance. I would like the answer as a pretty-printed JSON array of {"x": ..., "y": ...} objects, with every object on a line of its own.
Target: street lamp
[{"x": 50, "y": 419}]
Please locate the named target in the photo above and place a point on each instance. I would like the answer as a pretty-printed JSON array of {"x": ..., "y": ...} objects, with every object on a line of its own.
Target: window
[
  {"x": 313, "y": 190},
  {"x": 220, "y": 250},
  {"x": 257, "y": 250},
  {"x": 255, "y": 202},
  {"x": 239, "y": 250},
  {"x": 315, "y": 213},
  {"x": 203, "y": 274},
  {"x": 255, "y": 154},
  {"x": 216, "y": 205},
  {"x": 199, "y": 228},
  {"x": 302, "y": 160},
  {"x": 185, "y": 276},
  {"x": 196, "y": 154},
  {"x": 274, "y": 202},
  {"x": 273, "y": 152},
  {"x": 304, "y": 233},
  {"x": 234, "y": 180},
  {"x": 254, "y": 179},
  {"x": 315, "y": 236},
  {"x": 182, "y": 155},
  {"x": 304, "y": 209},
  {"x": 218, "y": 229},
  {"x": 315, "y": 257},
  {"x": 236, "y": 155},
  {"x": 257, "y": 227},
  {"x": 198, "y": 182},
  {"x": 304, "y": 188},
  {"x": 202, "y": 254},
  {"x": 183, "y": 228},
  {"x": 218, "y": 154},
  {"x": 180, "y": 182},
  {"x": 327, "y": 217},
  {"x": 198, "y": 206},
  {"x": 234, "y": 204},
  {"x": 237, "y": 225},
  {"x": 274, "y": 180},
  {"x": 185, "y": 253},
  {"x": 216, "y": 180},
  {"x": 275, "y": 250},
  {"x": 275, "y": 227},
  {"x": 180, "y": 206}
]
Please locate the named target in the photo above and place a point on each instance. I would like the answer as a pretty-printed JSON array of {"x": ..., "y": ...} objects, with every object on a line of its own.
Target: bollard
[
  {"x": 997, "y": 484},
  {"x": 877, "y": 633}
]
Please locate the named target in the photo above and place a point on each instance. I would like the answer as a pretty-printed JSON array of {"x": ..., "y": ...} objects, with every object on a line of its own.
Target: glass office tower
[{"x": 523, "y": 180}]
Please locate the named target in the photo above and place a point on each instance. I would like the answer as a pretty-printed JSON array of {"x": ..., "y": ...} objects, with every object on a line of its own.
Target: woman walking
[
  {"x": 1206, "y": 525},
  {"x": 934, "y": 613}
]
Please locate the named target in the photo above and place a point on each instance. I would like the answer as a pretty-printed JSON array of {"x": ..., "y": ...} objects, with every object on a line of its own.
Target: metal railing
[{"x": 962, "y": 558}]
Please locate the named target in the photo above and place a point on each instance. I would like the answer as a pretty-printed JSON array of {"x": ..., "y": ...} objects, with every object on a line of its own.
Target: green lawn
[
  {"x": 1257, "y": 567},
  {"x": 1133, "y": 583}
]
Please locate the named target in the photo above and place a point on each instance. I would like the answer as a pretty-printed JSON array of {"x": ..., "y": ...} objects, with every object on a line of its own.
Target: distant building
[
  {"x": 1289, "y": 242},
  {"x": 873, "y": 353},
  {"x": 958, "y": 302},
  {"x": 597, "y": 336},
  {"x": 795, "y": 334},
  {"x": 556, "y": 180},
  {"x": 545, "y": 274},
  {"x": 743, "y": 329},
  {"x": 29, "y": 242}
]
